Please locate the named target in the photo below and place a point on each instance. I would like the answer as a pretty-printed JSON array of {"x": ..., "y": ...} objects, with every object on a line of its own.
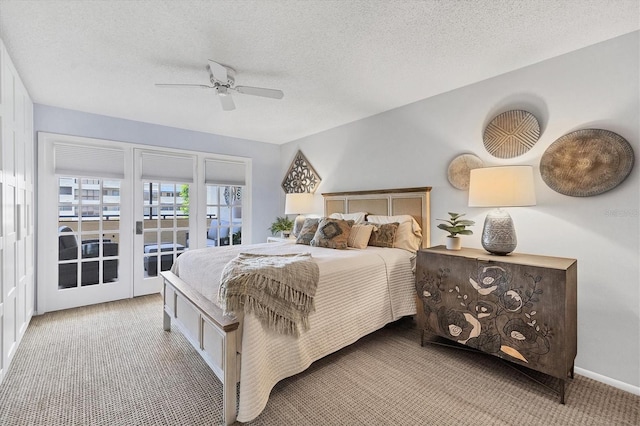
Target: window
[
  {"x": 86, "y": 256},
  {"x": 224, "y": 215},
  {"x": 225, "y": 181}
]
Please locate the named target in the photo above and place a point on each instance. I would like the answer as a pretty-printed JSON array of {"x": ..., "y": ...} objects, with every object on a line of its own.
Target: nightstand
[{"x": 280, "y": 240}]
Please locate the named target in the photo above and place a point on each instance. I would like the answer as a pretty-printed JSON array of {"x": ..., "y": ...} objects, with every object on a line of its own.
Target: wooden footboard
[{"x": 212, "y": 334}]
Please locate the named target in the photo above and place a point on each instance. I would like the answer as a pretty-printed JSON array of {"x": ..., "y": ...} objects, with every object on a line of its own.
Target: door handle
[{"x": 139, "y": 227}]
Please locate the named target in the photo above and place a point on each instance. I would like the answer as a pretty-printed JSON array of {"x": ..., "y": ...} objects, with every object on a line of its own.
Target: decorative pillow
[
  {"x": 308, "y": 230},
  {"x": 409, "y": 234},
  {"x": 332, "y": 233},
  {"x": 359, "y": 236},
  {"x": 383, "y": 235},
  {"x": 355, "y": 217}
]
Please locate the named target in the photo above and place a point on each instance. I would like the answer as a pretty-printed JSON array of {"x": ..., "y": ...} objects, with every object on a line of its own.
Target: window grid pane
[
  {"x": 83, "y": 205},
  {"x": 224, "y": 215}
]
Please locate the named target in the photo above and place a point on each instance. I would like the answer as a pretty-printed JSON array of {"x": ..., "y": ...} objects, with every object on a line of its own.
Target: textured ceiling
[{"x": 336, "y": 61}]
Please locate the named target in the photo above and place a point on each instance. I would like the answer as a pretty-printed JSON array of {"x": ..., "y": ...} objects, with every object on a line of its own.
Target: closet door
[{"x": 16, "y": 195}]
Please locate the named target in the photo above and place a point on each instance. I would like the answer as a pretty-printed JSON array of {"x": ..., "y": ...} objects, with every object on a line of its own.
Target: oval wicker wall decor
[
  {"x": 460, "y": 168},
  {"x": 586, "y": 162},
  {"x": 511, "y": 134}
]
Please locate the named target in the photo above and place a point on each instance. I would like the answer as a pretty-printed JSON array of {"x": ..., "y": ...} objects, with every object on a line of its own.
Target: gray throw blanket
[{"x": 277, "y": 289}]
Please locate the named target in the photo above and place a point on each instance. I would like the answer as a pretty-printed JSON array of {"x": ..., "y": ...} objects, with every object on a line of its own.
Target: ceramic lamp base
[{"x": 498, "y": 233}]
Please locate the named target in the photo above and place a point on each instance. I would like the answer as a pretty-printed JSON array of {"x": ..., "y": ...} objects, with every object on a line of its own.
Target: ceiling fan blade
[
  {"x": 218, "y": 71},
  {"x": 227, "y": 102},
  {"x": 259, "y": 91},
  {"x": 182, "y": 86}
]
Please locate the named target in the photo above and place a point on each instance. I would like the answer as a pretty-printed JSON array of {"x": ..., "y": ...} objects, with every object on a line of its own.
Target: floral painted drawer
[{"x": 520, "y": 307}]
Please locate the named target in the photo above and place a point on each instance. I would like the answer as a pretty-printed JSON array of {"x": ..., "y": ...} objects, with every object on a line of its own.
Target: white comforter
[{"x": 359, "y": 292}]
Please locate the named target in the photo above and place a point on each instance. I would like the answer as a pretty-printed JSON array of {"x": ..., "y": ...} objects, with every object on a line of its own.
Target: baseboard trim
[{"x": 609, "y": 381}]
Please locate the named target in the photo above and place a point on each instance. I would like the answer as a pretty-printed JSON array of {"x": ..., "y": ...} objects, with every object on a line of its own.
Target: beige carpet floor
[{"x": 112, "y": 364}]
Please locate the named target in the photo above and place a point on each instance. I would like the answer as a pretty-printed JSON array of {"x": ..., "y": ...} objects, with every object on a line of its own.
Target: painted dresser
[{"x": 519, "y": 307}]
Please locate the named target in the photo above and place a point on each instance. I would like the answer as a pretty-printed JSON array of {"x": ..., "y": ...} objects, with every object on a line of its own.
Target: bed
[{"x": 360, "y": 290}]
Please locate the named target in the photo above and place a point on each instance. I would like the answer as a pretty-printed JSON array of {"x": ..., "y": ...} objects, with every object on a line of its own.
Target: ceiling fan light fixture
[{"x": 223, "y": 91}]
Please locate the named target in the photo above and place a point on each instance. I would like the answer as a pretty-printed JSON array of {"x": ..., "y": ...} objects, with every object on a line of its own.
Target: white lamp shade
[
  {"x": 505, "y": 186},
  {"x": 298, "y": 203}
]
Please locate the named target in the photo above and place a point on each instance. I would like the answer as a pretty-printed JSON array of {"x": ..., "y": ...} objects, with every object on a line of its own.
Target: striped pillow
[{"x": 359, "y": 236}]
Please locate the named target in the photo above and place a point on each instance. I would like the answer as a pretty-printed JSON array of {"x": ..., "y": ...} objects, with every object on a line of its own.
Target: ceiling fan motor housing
[{"x": 231, "y": 77}]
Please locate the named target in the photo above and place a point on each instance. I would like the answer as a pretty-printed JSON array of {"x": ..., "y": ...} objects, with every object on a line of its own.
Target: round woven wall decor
[
  {"x": 511, "y": 134},
  {"x": 586, "y": 162},
  {"x": 460, "y": 168}
]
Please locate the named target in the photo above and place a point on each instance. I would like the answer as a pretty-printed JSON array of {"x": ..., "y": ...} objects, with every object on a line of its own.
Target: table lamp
[
  {"x": 505, "y": 186},
  {"x": 299, "y": 203}
]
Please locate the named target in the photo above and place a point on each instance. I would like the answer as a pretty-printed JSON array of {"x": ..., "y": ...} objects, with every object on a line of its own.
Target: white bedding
[{"x": 359, "y": 292}]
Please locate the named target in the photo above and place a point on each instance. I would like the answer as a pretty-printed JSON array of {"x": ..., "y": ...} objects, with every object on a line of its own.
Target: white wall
[
  {"x": 265, "y": 157},
  {"x": 595, "y": 87}
]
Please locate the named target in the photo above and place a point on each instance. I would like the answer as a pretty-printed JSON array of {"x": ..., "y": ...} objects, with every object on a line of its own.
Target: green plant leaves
[
  {"x": 281, "y": 224},
  {"x": 455, "y": 226},
  {"x": 465, "y": 223}
]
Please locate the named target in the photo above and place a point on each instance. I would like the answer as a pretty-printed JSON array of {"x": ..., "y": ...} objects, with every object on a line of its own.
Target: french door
[
  {"x": 84, "y": 218},
  {"x": 112, "y": 215},
  {"x": 162, "y": 211},
  {"x": 90, "y": 266},
  {"x": 163, "y": 231}
]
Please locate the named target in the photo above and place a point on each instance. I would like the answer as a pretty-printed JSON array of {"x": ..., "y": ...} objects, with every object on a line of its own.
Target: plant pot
[
  {"x": 286, "y": 234},
  {"x": 454, "y": 243}
]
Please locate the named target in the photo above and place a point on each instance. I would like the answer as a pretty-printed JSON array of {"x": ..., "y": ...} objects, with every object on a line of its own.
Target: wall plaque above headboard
[
  {"x": 386, "y": 202},
  {"x": 301, "y": 176}
]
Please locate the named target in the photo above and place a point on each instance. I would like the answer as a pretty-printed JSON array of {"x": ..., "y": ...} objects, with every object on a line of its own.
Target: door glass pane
[
  {"x": 88, "y": 230},
  {"x": 166, "y": 237},
  {"x": 150, "y": 238},
  {"x": 109, "y": 270},
  {"x": 181, "y": 237},
  {"x": 90, "y": 273},
  {"x": 212, "y": 212},
  {"x": 68, "y": 275}
]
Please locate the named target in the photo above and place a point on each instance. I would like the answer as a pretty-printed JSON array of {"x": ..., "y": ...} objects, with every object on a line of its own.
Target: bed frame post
[
  {"x": 166, "y": 321},
  {"x": 229, "y": 403}
]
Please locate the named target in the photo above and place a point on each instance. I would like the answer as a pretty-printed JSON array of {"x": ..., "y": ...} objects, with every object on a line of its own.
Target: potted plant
[
  {"x": 283, "y": 225},
  {"x": 454, "y": 226}
]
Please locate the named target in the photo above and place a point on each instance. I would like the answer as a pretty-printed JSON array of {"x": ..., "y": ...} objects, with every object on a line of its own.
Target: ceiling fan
[{"x": 222, "y": 80}]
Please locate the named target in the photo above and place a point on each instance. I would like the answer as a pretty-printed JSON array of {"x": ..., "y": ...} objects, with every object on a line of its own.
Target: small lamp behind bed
[{"x": 299, "y": 203}]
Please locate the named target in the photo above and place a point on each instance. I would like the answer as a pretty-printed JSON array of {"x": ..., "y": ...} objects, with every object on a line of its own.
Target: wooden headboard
[{"x": 386, "y": 202}]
